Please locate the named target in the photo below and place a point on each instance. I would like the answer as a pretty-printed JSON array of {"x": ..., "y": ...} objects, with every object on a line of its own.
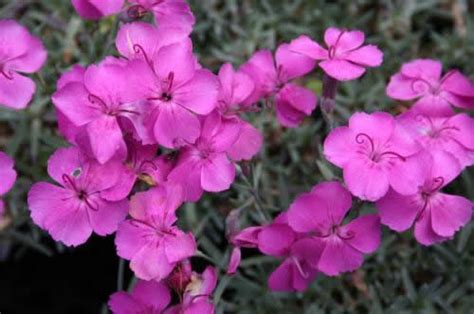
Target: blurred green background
[{"x": 401, "y": 277}]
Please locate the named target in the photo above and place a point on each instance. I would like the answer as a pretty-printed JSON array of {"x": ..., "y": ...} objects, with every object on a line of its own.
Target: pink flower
[
  {"x": 321, "y": 213},
  {"x": 96, "y": 9},
  {"x": 271, "y": 78},
  {"x": 196, "y": 299},
  {"x": 295, "y": 273},
  {"x": 149, "y": 297},
  {"x": 345, "y": 58},
  {"x": 150, "y": 240},
  {"x": 177, "y": 91},
  {"x": 106, "y": 95},
  {"x": 175, "y": 14},
  {"x": 235, "y": 87},
  {"x": 421, "y": 79},
  {"x": 451, "y": 135},
  {"x": 375, "y": 153},
  {"x": 19, "y": 52},
  {"x": 205, "y": 166},
  {"x": 437, "y": 216},
  {"x": 72, "y": 211},
  {"x": 8, "y": 177}
]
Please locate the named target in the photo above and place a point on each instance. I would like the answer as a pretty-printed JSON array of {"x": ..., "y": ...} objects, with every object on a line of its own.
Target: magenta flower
[
  {"x": 8, "y": 175},
  {"x": 174, "y": 14},
  {"x": 375, "y": 153},
  {"x": 106, "y": 95},
  {"x": 271, "y": 77},
  {"x": 295, "y": 272},
  {"x": 205, "y": 166},
  {"x": 443, "y": 135},
  {"x": 235, "y": 87},
  {"x": 72, "y": 211},
  {"x": 437, "y": 216},
  {"x": 177, "y": 91},
  {"x": 421, "y": 79},
  {"x": 148, "y": 297},
  {"x": 96, "y": 9},
  {"x": 345, "y": 58},
  {"x": 341, "y": 247},
  {"x": 150, "y": 240},
  {"x": 196, "y": 298},
  {"x": 20, "y": 52}
]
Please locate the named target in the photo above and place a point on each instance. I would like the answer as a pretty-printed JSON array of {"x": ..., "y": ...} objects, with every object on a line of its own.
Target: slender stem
[
  {"x": 328, "y": 99},
  {"x": 121, "y": 268}
]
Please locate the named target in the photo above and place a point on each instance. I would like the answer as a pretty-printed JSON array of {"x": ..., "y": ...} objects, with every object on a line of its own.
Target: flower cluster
[
  {"x": 400, "y": 163},
  {"x": 152, "y": 129}
]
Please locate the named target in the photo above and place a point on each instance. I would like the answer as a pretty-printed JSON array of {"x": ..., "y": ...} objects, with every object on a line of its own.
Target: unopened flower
[
  {"x": 72, "y": 211},
  {"x": 422, "y": 80},
  {"x": 345, "y": 57},
  {"x": 196, "y": 298},
  {"x": 20, "y": 52}
]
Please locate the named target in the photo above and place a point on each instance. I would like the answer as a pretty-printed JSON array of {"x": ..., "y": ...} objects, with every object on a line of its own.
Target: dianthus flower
[
  {"x": 176, "y": 91},
  {"x": 345, "y": 58},
  {"x": 205, "y": 165},
  {"x": 20, "y": 52},
  {"x": 106, "y": 95},
  {"x": 150, "y": 239},
  {"x": 375, "y": 152},
  {"x": 422, "y": 79},
  {"x": 72, "y": 211}
]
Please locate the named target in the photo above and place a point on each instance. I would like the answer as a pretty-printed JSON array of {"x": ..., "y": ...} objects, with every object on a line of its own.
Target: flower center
[{"x": 375, "y": 154}]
